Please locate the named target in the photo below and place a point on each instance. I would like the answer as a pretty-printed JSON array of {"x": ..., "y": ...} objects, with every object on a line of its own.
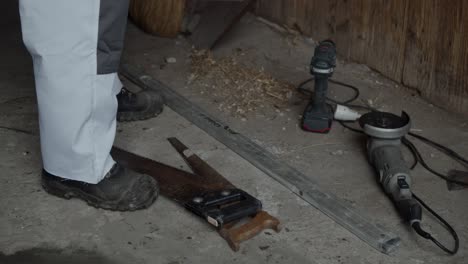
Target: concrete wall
[{"x": 422, "y": 44}]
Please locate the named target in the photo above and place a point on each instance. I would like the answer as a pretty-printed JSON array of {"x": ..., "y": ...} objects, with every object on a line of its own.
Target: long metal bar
[{"x": 301, "y": 185}]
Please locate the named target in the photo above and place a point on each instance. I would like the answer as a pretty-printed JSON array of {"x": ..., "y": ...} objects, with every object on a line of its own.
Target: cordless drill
[
  {"x": 384, "y": 131},
  {"x": 318, "y": 115}
]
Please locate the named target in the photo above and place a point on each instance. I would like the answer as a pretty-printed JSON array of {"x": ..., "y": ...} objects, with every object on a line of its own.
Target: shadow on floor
[{"x": 55, "y": 256}]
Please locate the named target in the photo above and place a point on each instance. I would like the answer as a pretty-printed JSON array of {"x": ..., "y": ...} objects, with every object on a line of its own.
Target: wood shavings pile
[{"x": 237, "y": 89}]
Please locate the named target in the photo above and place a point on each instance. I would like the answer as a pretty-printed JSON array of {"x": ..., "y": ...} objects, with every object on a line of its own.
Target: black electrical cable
[
  {"x": 415, "y": 157},
  {"x": 426, "y": 235},
  {"x": 442, "y": 148},
  {"x": 426, "y": 166},
  {"x": 357, "y": 93},
  {"x": 347, "y": 102},
  {"x": 357, "y": 130},
  {"x": 300, "y": 87}
]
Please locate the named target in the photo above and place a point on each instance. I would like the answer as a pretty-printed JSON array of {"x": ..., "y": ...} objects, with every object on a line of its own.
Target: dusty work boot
[
  {"x": 121, "y": 190},
  {"x": 138, "y": 106}
]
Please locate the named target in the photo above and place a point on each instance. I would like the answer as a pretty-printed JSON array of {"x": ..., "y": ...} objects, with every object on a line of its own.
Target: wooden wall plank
[
  {"x": 303, "y": 15},
  {"x": 356, "y": 26},
  {"x": 379, "y": 35},
  {"x": 420, "y": 43},
  {"x": 436, "y": 56}
]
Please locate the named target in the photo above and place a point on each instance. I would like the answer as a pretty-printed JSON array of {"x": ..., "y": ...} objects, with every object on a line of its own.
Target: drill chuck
[{"x": 324, "y": 60}]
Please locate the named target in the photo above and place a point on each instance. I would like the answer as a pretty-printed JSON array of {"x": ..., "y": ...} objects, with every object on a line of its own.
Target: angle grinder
[
  {"x": 385, "y": 131},
  {"x": 318, "y": 115}
]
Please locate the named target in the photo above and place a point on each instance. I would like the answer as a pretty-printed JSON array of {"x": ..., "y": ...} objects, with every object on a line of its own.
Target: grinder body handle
[{"x": 394, "y": 176}]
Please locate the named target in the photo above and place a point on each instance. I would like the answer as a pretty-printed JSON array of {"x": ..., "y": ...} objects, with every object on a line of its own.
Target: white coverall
[{"x": 76, "y": 46}]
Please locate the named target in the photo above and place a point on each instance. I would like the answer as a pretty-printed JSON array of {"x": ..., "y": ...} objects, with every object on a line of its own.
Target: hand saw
[{"x": 237, "y": 215}]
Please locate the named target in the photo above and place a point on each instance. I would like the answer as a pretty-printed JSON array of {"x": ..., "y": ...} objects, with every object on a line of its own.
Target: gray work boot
[
  {"x": 138, "y": 106},
  {"x": 121, "y": 190}
]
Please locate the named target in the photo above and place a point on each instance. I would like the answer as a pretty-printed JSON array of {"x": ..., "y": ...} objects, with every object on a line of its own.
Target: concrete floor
[{"x": 34, "y": 223}]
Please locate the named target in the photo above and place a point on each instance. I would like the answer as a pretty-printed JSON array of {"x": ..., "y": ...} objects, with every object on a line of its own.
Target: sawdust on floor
[{"x": 236, "y": 88}]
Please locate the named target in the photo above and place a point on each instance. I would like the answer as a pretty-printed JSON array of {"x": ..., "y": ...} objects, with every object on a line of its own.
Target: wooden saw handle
[{"x": 235, "y": 234}]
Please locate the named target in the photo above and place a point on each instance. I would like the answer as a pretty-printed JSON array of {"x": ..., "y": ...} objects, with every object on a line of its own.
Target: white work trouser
[{"x": 76, "y": 46}]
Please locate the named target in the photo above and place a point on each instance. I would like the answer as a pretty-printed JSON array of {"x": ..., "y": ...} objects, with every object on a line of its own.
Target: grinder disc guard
[
  {"x": 384, "y": 120},
  {"x": 385, "y": 125}
]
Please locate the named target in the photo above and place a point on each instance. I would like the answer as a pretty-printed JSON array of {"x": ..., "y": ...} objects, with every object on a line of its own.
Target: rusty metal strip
[{"x": 303, "y": 186}]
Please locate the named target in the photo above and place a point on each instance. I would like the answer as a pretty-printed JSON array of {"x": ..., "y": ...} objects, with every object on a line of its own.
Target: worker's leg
[{"x": 76, "y": 47}]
